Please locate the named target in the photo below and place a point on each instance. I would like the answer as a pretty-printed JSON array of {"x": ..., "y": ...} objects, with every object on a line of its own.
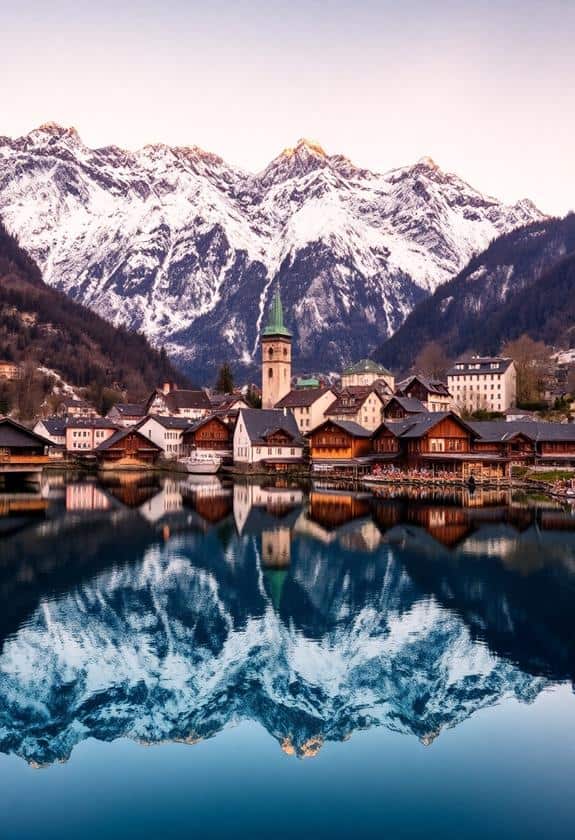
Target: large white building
[
  {"x": 165, "y": 432},
  {"x": 268, "y": 437},
  {"x": 483, "y": 382}
]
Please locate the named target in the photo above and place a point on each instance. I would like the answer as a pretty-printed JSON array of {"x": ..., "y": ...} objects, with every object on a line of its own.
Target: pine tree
[{"x": 225, "y": 380}]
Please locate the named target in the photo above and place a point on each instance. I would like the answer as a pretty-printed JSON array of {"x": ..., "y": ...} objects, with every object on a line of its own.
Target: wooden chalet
[
  {"x": 21, "y": 450},
  {"x": 386, "y": 440},
  {"x": 529, "y": 441},
  {"x": 398, "y": 408},
  {"x": 127, "y": 449},
  {"x": 440, "y": 442},
  {"x": 432, "y": 393},
  {"x": 212, "y": 434},
  {"x": 341, "y": 445}
]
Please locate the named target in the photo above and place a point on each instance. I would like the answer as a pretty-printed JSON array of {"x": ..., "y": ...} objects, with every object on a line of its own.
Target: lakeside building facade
[
  {"x": 166, "y": 432},
  {"x": 483, "y": 382},
  {"x": 267, "y": 438},
  {"x": 212, "y": 434},
  {"x": 127, "y": 447},
  {"x": 308, "y": 405},
  {"x": 85, "y": 434}
]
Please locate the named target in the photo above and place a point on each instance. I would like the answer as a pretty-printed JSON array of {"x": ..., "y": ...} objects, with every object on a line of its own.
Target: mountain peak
[
  {"x": 50, "y": 132},
  {"x": 427, "y": 162},
  {"x": 304, "y": 145}
]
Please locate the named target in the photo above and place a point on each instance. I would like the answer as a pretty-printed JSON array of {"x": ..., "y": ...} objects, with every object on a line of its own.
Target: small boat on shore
[{"x": 201, "y": 463}]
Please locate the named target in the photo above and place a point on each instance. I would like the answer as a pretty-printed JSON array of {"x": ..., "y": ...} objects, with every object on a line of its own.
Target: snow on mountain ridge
[{"x": 177, "y": 243}]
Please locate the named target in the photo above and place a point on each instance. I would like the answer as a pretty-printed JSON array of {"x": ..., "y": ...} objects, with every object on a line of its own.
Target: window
[
  {"x": 270, "y": 373},
  {"x": 271, "y": 353}
]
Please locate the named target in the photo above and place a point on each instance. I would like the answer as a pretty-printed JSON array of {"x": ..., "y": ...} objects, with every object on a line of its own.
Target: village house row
[{"x": 368, "y": 421}]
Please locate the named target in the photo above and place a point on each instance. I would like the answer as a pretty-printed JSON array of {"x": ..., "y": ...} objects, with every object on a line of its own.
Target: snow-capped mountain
[{"x": 178, "y": 244}]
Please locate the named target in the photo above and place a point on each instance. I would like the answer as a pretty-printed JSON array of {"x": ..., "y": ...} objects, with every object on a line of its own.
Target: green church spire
[{"x": 275, "y": 324}]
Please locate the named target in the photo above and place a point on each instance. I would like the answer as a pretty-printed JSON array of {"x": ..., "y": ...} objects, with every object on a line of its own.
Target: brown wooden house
[
  {"x": 443, "y": 442},
  {"x": 21, "y": 450},
  {"x": 398, "y": 408},
  {"x": 127, "y": 448},
  {"x": 211, "y": 433},
  {"x": 433, "y": 394},
  {"x": 386, "y": 440},
  {"x": 339, "y": 444}
]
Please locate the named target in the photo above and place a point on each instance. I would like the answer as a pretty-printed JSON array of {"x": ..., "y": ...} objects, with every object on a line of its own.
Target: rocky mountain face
[
  {"x": 178, "y": 244},
  {"x": 41, "y": 325},
  {"x": 524, "y": 282}
]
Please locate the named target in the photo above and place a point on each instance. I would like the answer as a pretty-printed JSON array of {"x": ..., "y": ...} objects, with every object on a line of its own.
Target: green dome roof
[
  {"x": 275, "y": 324},
  {"x": 366, "y": 366}
]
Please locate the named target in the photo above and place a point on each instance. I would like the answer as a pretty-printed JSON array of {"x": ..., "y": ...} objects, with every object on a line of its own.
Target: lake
[{"x": 202, "y": 658}]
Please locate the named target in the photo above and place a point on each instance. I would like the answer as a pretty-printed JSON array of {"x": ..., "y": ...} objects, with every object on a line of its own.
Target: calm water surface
[{"x": 206, "y": 659}]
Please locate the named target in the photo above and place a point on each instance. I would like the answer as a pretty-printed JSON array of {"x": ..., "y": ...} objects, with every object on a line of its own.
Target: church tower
[{"x": 276, "y": 355}]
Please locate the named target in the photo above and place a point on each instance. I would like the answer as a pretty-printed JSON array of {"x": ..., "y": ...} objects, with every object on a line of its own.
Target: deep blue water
[{"x": 202, "y": 659}]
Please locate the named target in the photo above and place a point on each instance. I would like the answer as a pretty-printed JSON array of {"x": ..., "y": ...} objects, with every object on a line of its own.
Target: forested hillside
[
  {"x": 523, "y": 283},
  {"x": 42, "y": 327}
]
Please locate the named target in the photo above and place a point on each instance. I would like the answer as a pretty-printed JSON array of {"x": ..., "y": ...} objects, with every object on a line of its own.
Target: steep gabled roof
[
  {"x": 536, "y": 431},
  {"x": 167, "y": 421},
  {"x": 432, "y": 386},
  {"x": 180, "y": 399},
  {"x": 14, "y": 434},
  {"x": 188, "y": 399},
  {"x": 197, "y": 424},
  {"x": 129, "y": 409},
  {"x": 350, "y": 399},
  {"x": 261, "y": 423},
  {"x": 349, "y": 426},
  {"x": 301, "y": 397},
  {"x": 123, "y": 433},
  {"x": 396, "y": 427},
  {"x": 423, "y": 424},
  {"x": 54, "y": 426},
  {"x": 409, "y": 405}
]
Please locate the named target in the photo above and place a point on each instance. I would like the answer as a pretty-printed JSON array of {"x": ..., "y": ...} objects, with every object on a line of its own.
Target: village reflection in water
[{"x": 165, "y": 609}]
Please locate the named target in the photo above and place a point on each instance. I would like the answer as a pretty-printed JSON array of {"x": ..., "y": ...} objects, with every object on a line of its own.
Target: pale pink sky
[{"x": 487, "y": 89}]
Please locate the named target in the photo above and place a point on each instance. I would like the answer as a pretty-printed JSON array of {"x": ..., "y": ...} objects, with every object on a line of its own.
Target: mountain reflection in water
[{"x": 166, "y": 611}]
